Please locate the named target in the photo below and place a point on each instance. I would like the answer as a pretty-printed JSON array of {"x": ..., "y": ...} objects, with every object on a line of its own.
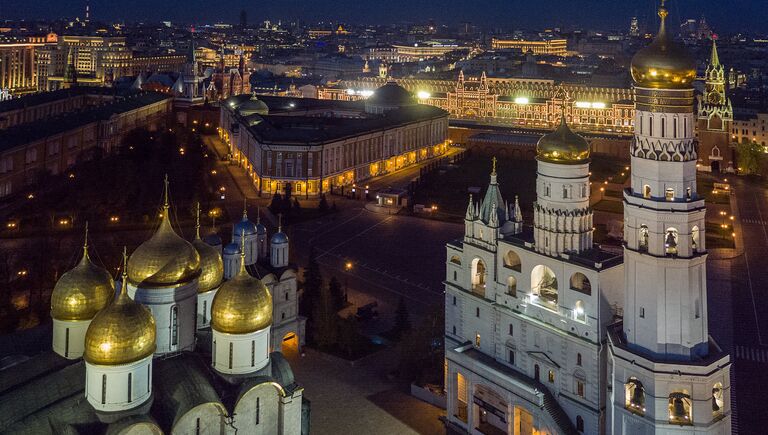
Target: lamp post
[{"x": 347, "y": 269}]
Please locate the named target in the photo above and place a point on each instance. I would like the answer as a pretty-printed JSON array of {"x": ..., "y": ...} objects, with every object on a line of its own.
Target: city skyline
[{"x": 736, "y": 16}]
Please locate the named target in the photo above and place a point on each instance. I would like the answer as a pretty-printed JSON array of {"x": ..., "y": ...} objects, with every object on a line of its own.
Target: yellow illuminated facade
[
  {"x": 554, "y": 47},
  {"x": 517, "y": 102}
]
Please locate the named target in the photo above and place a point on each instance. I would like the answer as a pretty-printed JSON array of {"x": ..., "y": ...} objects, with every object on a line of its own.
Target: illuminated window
[
  {"x": 477, "y": 340},
  {"x": 551, "y": 376},
  {"x": 580, "y": 388},
  {"x": 634, "y": 396},
  {"x": 680, "y": 409},
  {"x": 669, "y": 194}
]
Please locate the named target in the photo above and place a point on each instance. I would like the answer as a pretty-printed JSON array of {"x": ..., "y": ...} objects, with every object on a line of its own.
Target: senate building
[
  {"x": 546, "y": 333},
  {"x": 192, "y": 338}
]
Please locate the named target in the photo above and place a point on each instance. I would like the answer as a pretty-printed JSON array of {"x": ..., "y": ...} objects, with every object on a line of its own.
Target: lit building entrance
[{"x": 290, "y": 346}]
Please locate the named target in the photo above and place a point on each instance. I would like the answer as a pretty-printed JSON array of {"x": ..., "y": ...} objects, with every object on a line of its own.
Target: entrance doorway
[
  {"x": 290, "y": 346},
  {"x": 715, "y": 166}
]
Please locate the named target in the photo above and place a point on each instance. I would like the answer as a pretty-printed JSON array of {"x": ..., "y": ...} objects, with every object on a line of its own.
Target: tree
[
  {"x": 337, "y": 293},
  {"x": 749, "y": 155},
  {"x": 402, "y": 322},
  {"x": 325, "y": 320},
  {"x": 313, "y": 281},
  {"x": 276, "y": 206},
  {"x": 421, "y": 350},
  {"x": 323, "y": 206},
  {"x": 349, "y": 338},
  {"x": 296, "y": 206}
]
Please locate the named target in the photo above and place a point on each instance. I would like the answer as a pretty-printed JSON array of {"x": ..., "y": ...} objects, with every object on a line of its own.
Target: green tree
[
  {"x": 402, "y": 322},
  {"x": 323, "y": 205},
  {"x": 749, "y": 155},
  {"x": 421, "y": 350},
  {"x": 313, "y": 281},
  {"x": 325, "y": 320},
  {"x": 337, "y": 293},
  {"x": 349, "y": 338}
]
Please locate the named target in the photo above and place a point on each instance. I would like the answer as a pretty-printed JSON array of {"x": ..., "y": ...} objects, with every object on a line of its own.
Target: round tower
[
  {"x": 211, "y": 275},
  {"x": 279, "y": 246},
  {"x": 119, "y": 345},
  {"x": 562, "y": 217},
  {"x": 163, "y": 274},
  {"x": 247, "y": 230},
  {"x": 241, "y": 319},
  {"x": 77, "y": 297}
]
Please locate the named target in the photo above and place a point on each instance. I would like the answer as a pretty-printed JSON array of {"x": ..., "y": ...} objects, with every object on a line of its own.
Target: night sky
[{"x": 723, "y": 15}]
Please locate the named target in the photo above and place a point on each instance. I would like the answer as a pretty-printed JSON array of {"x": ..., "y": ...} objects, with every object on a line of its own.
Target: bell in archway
[
  {"x": 678, "y": 408},
  {"x": 671, "y": 243},
  {"x": 638, "y": 398}
]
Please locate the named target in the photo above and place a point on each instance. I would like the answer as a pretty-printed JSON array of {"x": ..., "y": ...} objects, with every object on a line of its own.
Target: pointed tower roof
[
  {"x": 493, "y": 202},
  {"x": 714, "y": 60}
]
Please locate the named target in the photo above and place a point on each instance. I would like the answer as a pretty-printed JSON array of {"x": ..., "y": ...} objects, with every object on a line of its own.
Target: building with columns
[
  {"x": 310, "y": 147},
  {"x": 546, "y": 333}
]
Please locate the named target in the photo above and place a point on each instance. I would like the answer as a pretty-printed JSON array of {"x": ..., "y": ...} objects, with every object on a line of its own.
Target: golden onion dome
[
  {"x": 663, "y": 64},
  {"x": 242, "y": 305},
  {"x": 562, "y": 146},
  {"x": 211, "y": 266},
  {"x": 82, "y": 292},
  {"x": 165, "y": 259},
  {"x": 121, "y": 333}
]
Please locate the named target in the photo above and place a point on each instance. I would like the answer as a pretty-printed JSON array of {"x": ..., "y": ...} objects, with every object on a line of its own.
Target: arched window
[
  {"x": 478, "y": 277},
  {"x": 512, "y": 286},
  {"x": 512, "y": 260},
  {"x": 580, "y": 283},
  {"x": 579, "y": 423},
  {"x": 231, "y": 351},
  {"x": 205, "y": 311},
  {"x": 646, "y": 191},
  {"x": 551, "y": 376},
  {"x": 642, "y": 239},
  {"x": 680, "y": 408},
  {"x": 544, "y": 286},
  {"x": 695, "y": 238},
  {"x": 579, "y": 313},
  {"x": 670, "y": 241},
  {"x": 578, "y": 359},
  {"x": 103, "y": 389},
  {"x": 456, "y": 260},
  {"x": 634, "y": 396},
  {"x": 663, "y": 127},
  {"x": 717, "y": 399},
  {"x": 174, "y": 325},
  {"x": 669, "y": 194}
]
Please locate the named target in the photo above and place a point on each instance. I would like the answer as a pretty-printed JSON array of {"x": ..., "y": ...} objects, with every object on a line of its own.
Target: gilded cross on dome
[{"x": 494, "y": 166}]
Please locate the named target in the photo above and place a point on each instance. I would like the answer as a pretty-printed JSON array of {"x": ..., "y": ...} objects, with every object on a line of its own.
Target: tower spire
[
  {"x": 166, "y": 203},
  {"x": 715, "y": 59},
  {"x": 85, "y": 241},
  {"x": 280, "y": 223},
  {"x": 123, "y": 283},
  {"x": 245, "y": 207},
  {"x": 197, "y": 221},
  {"x": 242, "y": 252}
]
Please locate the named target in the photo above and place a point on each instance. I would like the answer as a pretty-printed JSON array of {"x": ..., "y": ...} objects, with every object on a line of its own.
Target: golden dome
[
  {"x": 121, "y": 333},
  {"x": 165, "y": 259},
  {"x": 82, "y": 292},
  {"x": 211, "y": 265},
  {"x": 242, "y": 305},
  {"x": 663, "y": 64},
  {"x": 562, "y": 146}
]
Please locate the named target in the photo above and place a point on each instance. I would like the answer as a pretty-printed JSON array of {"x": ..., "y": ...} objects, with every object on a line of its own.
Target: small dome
[
  {"x": 82, "y": 292},
  {"x": 245, "y": 226},
  {"x": 562, "y": 146},
  {"x": 213, "y": 239},
  {"x": 211, "y": 266},
  {"x": 232, "y": 249},
  {"x": 165, "y": 259},
  {"x": 391, "y": 95},
  {"x": 279, "y": 238},
  {"x": 121, "y": 333},
  {"x": 261, "y": 229},
  {"x": 663, "y": 64},
  {"x": 233, "y": 102},
  {"x": 253, "y": 106},
  {"x": 242, "y": 305}
]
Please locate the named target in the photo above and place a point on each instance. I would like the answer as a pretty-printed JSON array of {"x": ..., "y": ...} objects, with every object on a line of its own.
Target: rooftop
[{"x": 33, "y": 131}]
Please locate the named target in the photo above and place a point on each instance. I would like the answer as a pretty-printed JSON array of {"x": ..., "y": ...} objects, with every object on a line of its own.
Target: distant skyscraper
[{"x": 634, "y": 28}]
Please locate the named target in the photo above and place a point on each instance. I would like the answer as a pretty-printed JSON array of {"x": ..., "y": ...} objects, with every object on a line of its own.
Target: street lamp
[{"x": 347, "y": 268}]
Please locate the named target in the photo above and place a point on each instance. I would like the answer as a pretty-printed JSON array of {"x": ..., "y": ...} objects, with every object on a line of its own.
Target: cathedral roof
[{"x": 493, "y": 202}]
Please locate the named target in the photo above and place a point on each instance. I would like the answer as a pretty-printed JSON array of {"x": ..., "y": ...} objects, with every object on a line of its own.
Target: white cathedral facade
[{"x": 548, "y": 334}]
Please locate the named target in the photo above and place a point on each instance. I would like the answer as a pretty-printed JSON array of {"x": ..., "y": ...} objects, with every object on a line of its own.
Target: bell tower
[
  {"x": 667, "y": 372},
  {"x": 714, "y": 118}
]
